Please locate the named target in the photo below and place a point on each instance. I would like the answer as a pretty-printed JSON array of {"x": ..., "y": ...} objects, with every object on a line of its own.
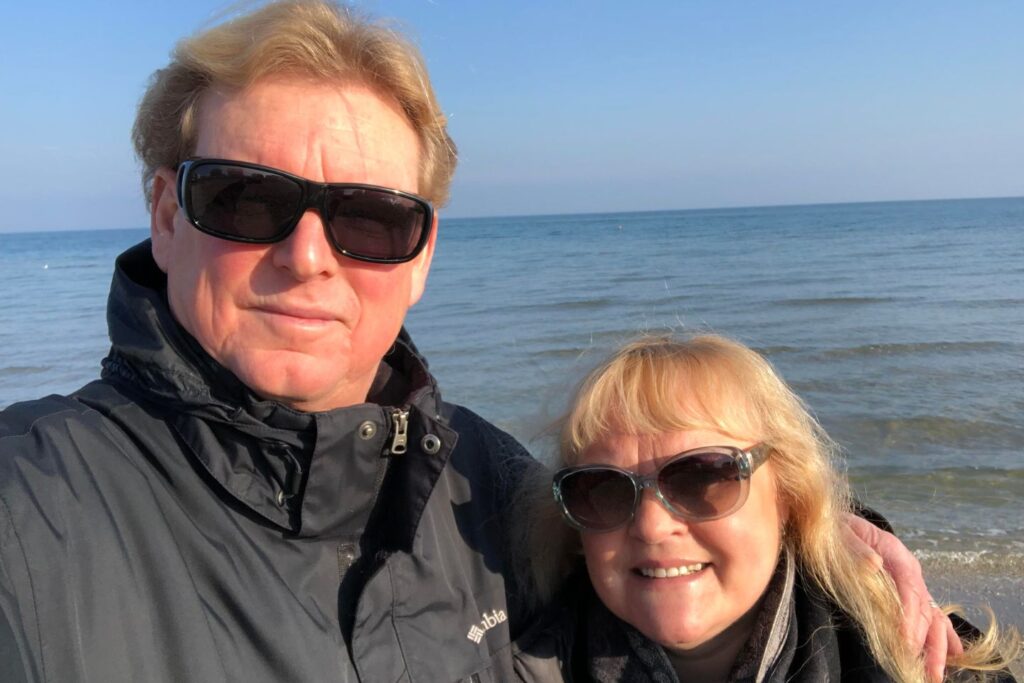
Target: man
[{"x": 265, "y": 485}]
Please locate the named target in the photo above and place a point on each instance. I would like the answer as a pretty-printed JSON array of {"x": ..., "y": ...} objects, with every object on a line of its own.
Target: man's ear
[
  {"x": 421, "y": 266},
  {"x": 163, "y": 209}
]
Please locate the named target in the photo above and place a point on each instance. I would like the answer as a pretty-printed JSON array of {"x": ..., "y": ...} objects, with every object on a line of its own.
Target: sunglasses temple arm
[{"x": 758, "y": 456}]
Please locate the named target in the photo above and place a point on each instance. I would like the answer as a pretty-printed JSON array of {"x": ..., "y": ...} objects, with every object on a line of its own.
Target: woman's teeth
[{"x": 669, "y": 572}]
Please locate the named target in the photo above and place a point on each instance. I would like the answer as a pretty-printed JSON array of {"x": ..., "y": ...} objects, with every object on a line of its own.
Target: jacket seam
[
  {"x": 31, "y": 427},
  {"x": 394, "y": 622},
  {"x": 31, "y": 584}
]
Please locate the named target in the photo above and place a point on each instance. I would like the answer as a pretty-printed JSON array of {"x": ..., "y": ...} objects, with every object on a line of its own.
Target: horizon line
[
  {"x": 736, "y": 207},
  {"x": 602, "y": 213}
]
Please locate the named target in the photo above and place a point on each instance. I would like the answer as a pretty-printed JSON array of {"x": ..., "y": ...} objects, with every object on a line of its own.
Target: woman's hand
[{"x": 925, "y": 626}]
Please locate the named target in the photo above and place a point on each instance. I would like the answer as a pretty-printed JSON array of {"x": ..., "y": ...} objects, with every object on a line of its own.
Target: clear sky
[{"x": 578, "y": 106}]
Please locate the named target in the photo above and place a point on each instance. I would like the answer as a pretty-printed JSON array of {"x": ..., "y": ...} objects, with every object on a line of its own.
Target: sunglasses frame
[
  {"x": 314, "y": 196},
  {"x": 747, "y": 461}
]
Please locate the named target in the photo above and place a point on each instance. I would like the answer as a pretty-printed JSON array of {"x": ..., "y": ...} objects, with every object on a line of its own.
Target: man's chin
[{"x": 300, "y": 381}]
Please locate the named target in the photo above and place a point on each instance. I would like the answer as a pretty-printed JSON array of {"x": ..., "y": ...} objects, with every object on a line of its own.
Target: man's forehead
[{"x": 324, "y": 131}]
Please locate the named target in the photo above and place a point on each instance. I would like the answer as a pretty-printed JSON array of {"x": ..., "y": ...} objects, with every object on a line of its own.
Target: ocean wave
[
  {"x": 600, "y": 340},
  {"x": 571, "y": 353},
  {"x": 1003, "y": 487},
  {"x": 959, "y": 512},
  {"x": 911, "y": 433},
  {"x": 44, "y": 265},
  {"x": 15, "y": 370},
  {"x": 990, "y": 303},
  {"x": 837, "y": 301},
  {"x": 569, "y": 305},
  {"x": 893, "y": 349},
  {"x": 668, "y": 299},
  {"x": 776, "y": 350},
  {"x": 633, "y": 278},
  {"x": 1008, "y": 563}
]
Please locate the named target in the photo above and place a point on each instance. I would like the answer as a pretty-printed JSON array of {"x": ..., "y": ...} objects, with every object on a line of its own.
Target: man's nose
[
  {"x": 653, "y": 522},
  {"x": 306, "y": 252}
]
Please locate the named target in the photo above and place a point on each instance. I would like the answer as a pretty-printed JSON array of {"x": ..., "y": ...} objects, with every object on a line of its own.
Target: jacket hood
[{"x": 310, "y": 473}]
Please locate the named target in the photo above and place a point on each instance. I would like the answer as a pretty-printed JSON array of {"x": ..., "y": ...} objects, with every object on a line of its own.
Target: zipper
[{"x": 400, "y": 432}]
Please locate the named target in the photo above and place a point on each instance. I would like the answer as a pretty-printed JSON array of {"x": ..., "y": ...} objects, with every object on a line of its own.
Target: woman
[{"x": 709, "y": 514}]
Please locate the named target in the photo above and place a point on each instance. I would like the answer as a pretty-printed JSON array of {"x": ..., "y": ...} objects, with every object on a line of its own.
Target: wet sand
[{"x": 1003, "y": 594}]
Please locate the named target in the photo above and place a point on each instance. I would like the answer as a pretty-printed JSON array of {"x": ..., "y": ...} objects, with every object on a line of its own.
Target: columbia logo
[{"x": 489, "y": 621}]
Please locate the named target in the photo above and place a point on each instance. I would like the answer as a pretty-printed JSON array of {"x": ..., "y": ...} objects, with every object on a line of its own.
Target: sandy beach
[{"x": 1004, "y": 594}]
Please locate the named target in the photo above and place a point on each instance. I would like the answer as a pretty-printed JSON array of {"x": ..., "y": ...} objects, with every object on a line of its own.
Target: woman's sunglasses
[
  {"x": 245, "y": 202},
  {"x": 701, "y": 484}
]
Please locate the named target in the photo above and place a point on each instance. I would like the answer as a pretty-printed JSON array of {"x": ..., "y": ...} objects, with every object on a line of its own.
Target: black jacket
[{"x": 165, "y": 524}]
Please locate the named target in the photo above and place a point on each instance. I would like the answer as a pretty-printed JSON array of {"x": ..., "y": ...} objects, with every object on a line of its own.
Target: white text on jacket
[{"x": 489, "y": 621}]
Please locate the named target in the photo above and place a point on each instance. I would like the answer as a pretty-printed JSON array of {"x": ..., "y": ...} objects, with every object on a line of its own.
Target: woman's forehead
[{"x": 632, "y": 451}]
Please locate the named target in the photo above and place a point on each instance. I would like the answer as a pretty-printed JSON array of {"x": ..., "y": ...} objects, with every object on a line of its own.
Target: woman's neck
[{"x": 712, "y": 661}]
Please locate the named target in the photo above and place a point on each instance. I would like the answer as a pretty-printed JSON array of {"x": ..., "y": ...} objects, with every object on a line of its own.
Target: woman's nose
[{"x": 653, "y": 522}]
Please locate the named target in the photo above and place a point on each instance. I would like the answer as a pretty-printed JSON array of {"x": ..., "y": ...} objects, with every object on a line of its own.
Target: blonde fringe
[{"x": 662, "y": 384}]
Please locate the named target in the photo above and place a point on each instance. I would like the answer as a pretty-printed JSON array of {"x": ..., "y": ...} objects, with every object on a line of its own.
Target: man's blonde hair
[
  {"x": 666, "y": 384},
  {"x": 313, "y": 39}
]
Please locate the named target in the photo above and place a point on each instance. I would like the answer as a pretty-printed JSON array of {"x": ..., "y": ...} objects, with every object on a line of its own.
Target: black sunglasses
[
  {"x": 245, "y": 202},
  {"x": 700, "y": 484}
]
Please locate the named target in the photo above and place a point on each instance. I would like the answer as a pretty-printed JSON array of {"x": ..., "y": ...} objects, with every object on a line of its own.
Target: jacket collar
[{"x": 311, "y": 474}]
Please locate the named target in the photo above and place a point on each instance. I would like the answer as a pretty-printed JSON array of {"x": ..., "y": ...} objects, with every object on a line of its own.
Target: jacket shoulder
[
  {"x": 486, "y": 453},
  {"x": 35, "y": 435},
  {"x": 487, "y": 441},
  {"x": 19, "y": 419},
  {"x": 49, "y": 444},
  {"x": 91, "y": 402}
]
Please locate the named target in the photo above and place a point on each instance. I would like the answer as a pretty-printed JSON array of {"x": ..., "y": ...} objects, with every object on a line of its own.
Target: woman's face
[{"x": 723, "y": 565}]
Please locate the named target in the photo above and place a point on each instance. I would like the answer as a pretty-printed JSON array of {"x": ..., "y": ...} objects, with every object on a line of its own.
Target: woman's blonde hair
[
  {"x": 314, "y": 39},
  {"x": 667, "y": 384}
]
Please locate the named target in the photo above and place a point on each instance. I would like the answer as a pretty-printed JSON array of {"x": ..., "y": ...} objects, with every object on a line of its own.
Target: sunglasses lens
[
  {"x": 242, "y": 203},
  {"x": 702, "y": 485},
  {"x": 376, "y": 224},
  {"x": 598, "y": 499},
  {"x": 249, "y": 204}
]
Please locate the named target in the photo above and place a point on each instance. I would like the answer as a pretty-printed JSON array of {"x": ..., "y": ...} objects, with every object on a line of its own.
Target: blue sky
[{"x": 573, "y": 106}]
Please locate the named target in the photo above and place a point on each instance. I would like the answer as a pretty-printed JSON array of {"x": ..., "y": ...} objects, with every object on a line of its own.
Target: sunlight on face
[
  {"x": 735, "y": 556},
  {"x": 295, "y": 320}
]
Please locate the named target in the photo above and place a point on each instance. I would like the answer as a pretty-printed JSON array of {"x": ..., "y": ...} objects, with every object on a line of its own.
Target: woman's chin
[{"x": 670, "y": 633}]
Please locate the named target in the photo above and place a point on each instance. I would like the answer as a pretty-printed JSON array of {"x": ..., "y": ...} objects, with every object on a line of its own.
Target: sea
[{"x": 901, "y": 324}]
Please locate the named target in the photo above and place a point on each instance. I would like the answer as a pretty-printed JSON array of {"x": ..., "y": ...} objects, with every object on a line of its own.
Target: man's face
[{"x": 295, "y": 321}]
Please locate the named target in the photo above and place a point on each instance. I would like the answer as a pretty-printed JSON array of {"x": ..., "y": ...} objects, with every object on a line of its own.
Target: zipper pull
[{"x": 400, "y": 440}]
